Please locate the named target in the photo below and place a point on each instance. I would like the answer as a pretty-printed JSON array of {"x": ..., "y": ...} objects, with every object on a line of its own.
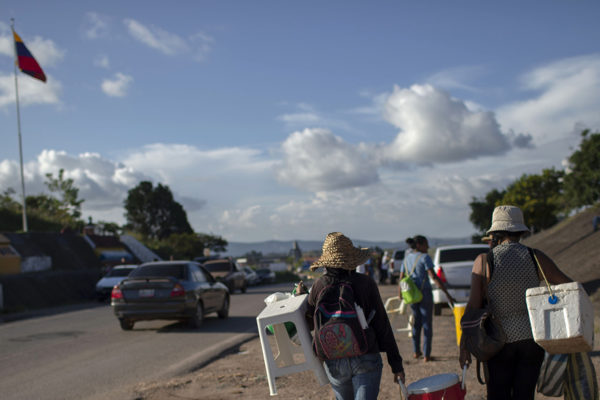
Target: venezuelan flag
[{"x": 25, "y": 60}]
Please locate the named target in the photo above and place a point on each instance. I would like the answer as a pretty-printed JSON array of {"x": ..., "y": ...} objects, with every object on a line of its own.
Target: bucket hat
[
  {"x": 508, "y": 218},
  {"x": 339, "y": 252}
]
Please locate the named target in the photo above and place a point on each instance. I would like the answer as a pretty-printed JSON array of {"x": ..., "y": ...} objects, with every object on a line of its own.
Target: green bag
[{"x": 411, "y": 294}]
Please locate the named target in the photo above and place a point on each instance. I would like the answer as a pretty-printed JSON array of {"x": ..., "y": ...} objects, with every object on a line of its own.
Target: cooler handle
[{"x": 403, "y": 390}]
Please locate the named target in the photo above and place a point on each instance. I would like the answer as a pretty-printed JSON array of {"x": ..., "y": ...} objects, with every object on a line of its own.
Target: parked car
[
  {"x": 453, "y": 265},
  {"x": 228, "y": 272},
  {"x": 266, "y": 275},
  {"x": 396, "y": 265},
  {"x": 251, "y": 276},
  {"x": 111, "y": 278},
  {"x": 171, "y": 290}
]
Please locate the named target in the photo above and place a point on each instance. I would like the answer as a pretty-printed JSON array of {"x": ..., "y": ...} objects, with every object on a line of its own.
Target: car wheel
[
  {"x": 126, "y": 324},
  {"x": 437, "y": 309},
  {"x": 196, "y": 320},
  {"x": 224, "y": 311}
]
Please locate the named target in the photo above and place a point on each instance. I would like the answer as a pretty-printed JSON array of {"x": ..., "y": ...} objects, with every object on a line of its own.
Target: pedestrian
[
  {"x": 421, "y": 266},
  {"x": 513, "y": 372},
  {"x": 596, "y": 222},
  {"x": 356, "y": 377},
  {"x": 385, "y": 267}
]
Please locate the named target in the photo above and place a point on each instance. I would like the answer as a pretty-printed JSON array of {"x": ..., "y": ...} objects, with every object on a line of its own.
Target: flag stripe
[{"x": 25, "y": 60}]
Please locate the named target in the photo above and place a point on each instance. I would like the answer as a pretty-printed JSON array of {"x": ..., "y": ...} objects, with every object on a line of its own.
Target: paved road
[{"x": 85, "y": 355}]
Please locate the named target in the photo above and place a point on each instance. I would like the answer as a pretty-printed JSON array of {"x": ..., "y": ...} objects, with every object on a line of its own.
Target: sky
[{"x": 288, "y": 120}]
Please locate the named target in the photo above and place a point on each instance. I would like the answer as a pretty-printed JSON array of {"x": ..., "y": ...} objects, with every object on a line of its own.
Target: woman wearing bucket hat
[
  {"x": 513, "y": 372},
  {"x": 356, "y": 377}
]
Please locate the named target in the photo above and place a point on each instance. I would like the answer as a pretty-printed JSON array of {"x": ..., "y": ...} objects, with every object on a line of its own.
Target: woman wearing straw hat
[
  {"x": 513, "y": 372},
  {"x": 356, "y": 377}
]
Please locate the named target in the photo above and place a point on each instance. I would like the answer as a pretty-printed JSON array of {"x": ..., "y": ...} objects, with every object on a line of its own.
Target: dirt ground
[{"x": 242, "y": 372}]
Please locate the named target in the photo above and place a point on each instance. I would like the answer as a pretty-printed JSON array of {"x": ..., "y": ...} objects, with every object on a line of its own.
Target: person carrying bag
[
  {"x": 513, "y": 371},
  {"x": 421, "y": 274}
]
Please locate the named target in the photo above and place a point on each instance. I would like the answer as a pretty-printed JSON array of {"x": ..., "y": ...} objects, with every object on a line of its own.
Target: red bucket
[{"x": 437, "y": 387}]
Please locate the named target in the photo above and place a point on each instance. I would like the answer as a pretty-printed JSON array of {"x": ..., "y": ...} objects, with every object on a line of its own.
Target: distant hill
[
  {"x": 575, "y": 248},
  {"x": 282, "y": 247}
]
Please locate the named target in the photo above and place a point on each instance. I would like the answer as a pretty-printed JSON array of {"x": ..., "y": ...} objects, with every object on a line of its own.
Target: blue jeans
[
  {"x": 355, "y": 377},
  {"x": 423, "y": 313}
]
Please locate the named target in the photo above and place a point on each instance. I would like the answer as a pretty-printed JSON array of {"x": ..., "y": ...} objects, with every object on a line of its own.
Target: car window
[
  {"x": 220, "y": 266},
  {"x": 207, "y": 275},
  {"x": 118, "y": 272},
  {"x": 174, "y": 270},
  {"x": 455, "y": 255},
  {"x": 197, "y": 275}
]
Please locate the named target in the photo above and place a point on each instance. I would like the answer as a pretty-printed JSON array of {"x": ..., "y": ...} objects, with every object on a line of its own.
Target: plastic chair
[
  {"x": 293, "y": 310},
  {"x": 395, "y": 306}
]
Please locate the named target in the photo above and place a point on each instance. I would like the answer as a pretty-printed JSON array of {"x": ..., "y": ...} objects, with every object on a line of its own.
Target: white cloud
[
  {"x": 118, "y": 86},
  {"x": 96, "y": 25},
  {"x": 102, "y": 61},
  {"x": 436, "y": 128},
  {"x": 198, "y": 45},
  {"x": 566, "y": 96},
  {"x": 101, "y": 182},
  {"x": 457, "y": 78},
  {"x": 31, "y": 91},
  {"x": 316, "y": 159}
]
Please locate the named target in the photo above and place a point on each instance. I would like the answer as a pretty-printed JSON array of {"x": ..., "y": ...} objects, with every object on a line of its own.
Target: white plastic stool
[
  {"x": 291, "y": 309},
  {"x": 395, "y": 306}
]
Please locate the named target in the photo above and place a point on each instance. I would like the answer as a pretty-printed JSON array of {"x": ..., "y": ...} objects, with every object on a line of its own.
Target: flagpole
[{"x": 12, "y": 24}]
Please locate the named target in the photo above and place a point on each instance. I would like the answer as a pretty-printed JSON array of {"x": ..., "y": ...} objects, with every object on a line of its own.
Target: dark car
[
  {"x": 266, "y": 275},
  {"x": 171, "y": 290},
  {"x": 228, "y": 272}
]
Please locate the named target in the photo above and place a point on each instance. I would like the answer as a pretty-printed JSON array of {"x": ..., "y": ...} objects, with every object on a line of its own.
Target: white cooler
[{"x": 564, "y": 324}]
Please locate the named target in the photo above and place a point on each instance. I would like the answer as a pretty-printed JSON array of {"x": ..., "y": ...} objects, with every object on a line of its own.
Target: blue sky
[{"x": 288, "y": 120}]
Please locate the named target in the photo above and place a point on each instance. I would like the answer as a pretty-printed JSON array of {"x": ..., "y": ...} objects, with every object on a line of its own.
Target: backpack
[{"x": 338, "y": 331}]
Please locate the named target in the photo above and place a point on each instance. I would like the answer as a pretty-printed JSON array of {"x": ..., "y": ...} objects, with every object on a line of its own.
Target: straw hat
[
  {"x": 339, "y": 252},
  {"x": 508, "y": 218}
]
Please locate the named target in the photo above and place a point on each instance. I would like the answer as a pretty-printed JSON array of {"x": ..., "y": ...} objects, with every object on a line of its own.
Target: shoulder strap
[
  {"x": 415, "y": 264},
  {"x": 486, "y": 260}
]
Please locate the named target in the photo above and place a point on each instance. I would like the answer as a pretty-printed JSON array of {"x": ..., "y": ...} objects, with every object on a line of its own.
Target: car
[
  {"x": 169, "y": 290},
  {"x": 266, "y": 275},
  {"x": 453, "y": 265},
  {"x": 228, "y": 271},
  {"x": 251, "y": 276},
  {"x": 396, "y": 265},
  {"x": 115, "y": 275}
]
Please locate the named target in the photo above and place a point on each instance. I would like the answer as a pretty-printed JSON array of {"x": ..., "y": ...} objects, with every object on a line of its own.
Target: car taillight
[
  {"x": 177, "y": 291},
  {"x": 116, "y": 293},
  {"x": 441, "y": 275}
]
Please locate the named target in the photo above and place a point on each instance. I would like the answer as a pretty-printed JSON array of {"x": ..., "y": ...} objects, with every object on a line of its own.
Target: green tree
[
  {"x": 67, "y": 191},
  {"x": 582, "y": 181},
  {"x": 481, "y": 211},
  {"x": 154, "y": 213},
  {"x": 215, "y": 243},
  {"x": 253, "y": 257},
  {"x": 184, "y": 245},
  {"x": 538, "y": 196}
]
